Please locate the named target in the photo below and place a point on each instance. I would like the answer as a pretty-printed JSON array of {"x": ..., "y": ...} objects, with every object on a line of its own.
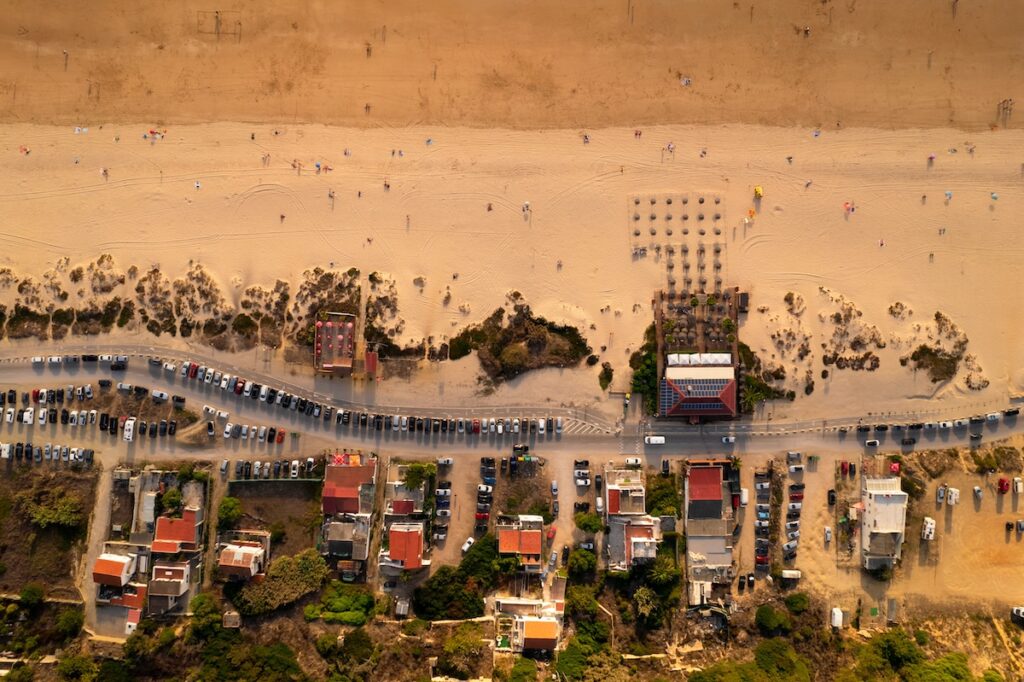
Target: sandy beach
[{"x": 413, "y": 203}]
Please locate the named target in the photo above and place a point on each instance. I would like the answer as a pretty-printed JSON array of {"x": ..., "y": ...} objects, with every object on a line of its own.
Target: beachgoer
[
  {"x": 995, "y": 197},
  {"x": 282, "y": 217},
  {"x": 789, "y": 160},
  {"x": 586, "y": 138},
  {"x": 490, "y": 207},
  {"x": 807, "y": 184},
  {"x": 198, "y": 185},
  {"x": 252, "y": 136},
  {"x": 400, "y": 153},
  {"x": 949, "y": 195}
]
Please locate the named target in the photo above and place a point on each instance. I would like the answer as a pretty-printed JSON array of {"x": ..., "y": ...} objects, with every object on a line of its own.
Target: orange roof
[
  {"x": 108, "y": 571},
  {"x": 540, "y": 634},
  {"x": 613, "y": 501},
  {"x": 406, "y": 546},
  {"x": 135, "y": 601},
  {"x": 182, "y": 530},
  {"x": 515, "y": 541}
]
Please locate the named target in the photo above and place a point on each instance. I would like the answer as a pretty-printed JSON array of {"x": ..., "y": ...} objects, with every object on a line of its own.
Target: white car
[
  {"x": 264, "y": 392},
  {"x": 484, "y": 489},
  {"x": 828, "y": 534},
  {"x": 262, "y": 433},
  {"x": 445, "y": 461},
  {"x": 54, "y": 359},
  {"x": 28, "y": 416},
  {"x": 170, "y": 367},
  {"x": 632, "y": 461},
  {"x": 207, "y": 409},
  {"x": 257, "y": 466},
  {"x": 245, "y": 432},
  {"x": 405, "y": 423},
  {"x": 492, "y": 425},
  {"x": 159, "y": 396},
  {"x": 227, "y": 429},
  {"x": 558, "y": 425},
  {"x": 92, "y": 416},
  {"x": 467, "y": 544},
  {"x": 795, "y": 506},
  {"x": 728, "y": 439},
  {"x": 443, "y": 492},
  {"x": 42, "y": 416},
  {"x": 295, "y": 468},
  {"x": 37, "y": 360},
  {"x": 10, "y": 415},
  {"x": 793, "y": 534},
  {"x": 554, "y": 488},
  {"x": 121, "y": 386},
  {"x": 501, "y": 426},
  {"x": 209, "y": 376},
  {"x": 945, "y": 425},
  {"x": 222, "y": 415},
  {"x": 583, "y": 482},
  {"x": 444, "y": 513},
  {"x": 224, "y": 382},
  {"x": 106, "y": 358},
  {"x": 515, "y": 425},
  {"x": 88, "y": 391},
  {"x": 541, "y": 426},
  {"x": 129, "y": 435},
  {"x": 395, "y": 422}
]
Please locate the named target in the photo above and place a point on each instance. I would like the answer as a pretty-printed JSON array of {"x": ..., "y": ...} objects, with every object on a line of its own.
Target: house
[
  {"x": 399, "y": 500},
  {"x": 170, "y": 582},
  {"x": 523, "y": 538},
  {"x": 349, "y": 484},
  {"x": 709, "y": 521},
  {"x": 347, "y": 538},
  {"x": 632, "y": 540},
  {"x": 624, "y": 492},
  {"x": 241, "y": 559},
  {"x": 405, "y": 547},
  {"x": 697, "y": 385},
  {"x": 535, "y": 634},
  {"x": 883, "y": 520},
  {"x": 175, "y": 535},
  {"x": 131, "y": 620},
  {"x": 114, "y": 570}
]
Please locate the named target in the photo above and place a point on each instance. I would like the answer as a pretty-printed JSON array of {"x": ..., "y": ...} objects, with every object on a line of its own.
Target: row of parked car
[
  {"x": 50, "y": 452},
  {"x": 117, "y": 362},
  {"x": 908, "y": 432},
  {"x": 277, "y": 469}
]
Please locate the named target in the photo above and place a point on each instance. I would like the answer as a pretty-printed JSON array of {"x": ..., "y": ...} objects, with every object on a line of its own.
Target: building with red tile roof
[
  {"x": 523, "y": 538},
  {"x": 241, "y": 559},
  {"x": 405, "y": 547},
  {"x": 349, "y": 484},
  {"x": 113, "y": 570},
  {"x": 175, "y": 535}
]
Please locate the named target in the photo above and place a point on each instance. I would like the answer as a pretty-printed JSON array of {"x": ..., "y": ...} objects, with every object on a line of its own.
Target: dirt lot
[
  {"x": 291, "y": 506},
  {"x": 32, "y": 554}
]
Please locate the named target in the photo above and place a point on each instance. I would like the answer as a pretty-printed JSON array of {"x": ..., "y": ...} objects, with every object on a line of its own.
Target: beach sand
[
  {"x": 527, "y": 64},
  {"x": 433, "y": 223}
]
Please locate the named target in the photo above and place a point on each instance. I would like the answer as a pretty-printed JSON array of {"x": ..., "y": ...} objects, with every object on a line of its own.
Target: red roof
[
  {"x": 636, "y": 533},
  {"x": 371, "y": 362},
  {"x": 341, "y": 487},
  {"x": 515, "y": 541},
  {"x": 679, "y": 400},
  {"x": 403, "y": 506},
  {"x": 406, "y": 546},
  {"x": 136, "y": 600},
  {"x": 181, "y": 530},
  {"x": 109, "y": 571},
  {"x": 705, "y": 483},
  {"x": 613, "y": 501}
]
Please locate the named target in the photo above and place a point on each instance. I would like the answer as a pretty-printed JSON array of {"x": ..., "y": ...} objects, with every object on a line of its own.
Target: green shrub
[
  {"x": 31, "y": 595},
  {"x": 771, "y": 622},
  {"x": 288, "y": 579},
  {"x": 589, "y": 523},
  {"x": 798, "y": 602},
  {"x": 229, "y": 512},
  {"x": 524, "y": 670},
  {"x": 69, "y": 623},
  {"x": 357, "y": 646}
]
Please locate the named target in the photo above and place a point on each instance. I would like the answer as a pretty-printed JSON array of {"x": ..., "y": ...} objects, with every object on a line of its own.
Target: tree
[
  {"x": 581, "y": 600},
  {"x": 589, "y": 523},
  {"x": 798, "y": 602},
  {"x": 582, "y": 562},
  {"x": 31, "y": 595},
  {"x": 76, "y": 668},
  {"x": 357, "y": 646},
  {"x": 417, "y": 473},
  {"x": 69, "y": 623},
  {"x": 645, "y": 600},
  {"x": 288, "y": 579},
  {"x": 172, "y": 499},
  {"x": 663, "y": 571},
  {"x": 525, "y": 670},
  {"x": 462, "y": 651},
  {"x": 24, "y": 673},
  {"x": 229, "y": 512},
  {"x": 514, "y": 359},
  {"x": 206, "y": 618},
  {"x": 51, "y": 507},
  {"x": 770, "y": 622}
]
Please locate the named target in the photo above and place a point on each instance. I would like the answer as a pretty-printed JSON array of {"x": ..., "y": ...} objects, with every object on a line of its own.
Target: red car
[
  {"x": 761, "y": 560},
  {"x": 193, "y": 370},
  {"x": 35, "y": 395},
  {"x": 551, "y": 533},
  {"x": 482, "y": 516},
  {"x": 239, "y": 386},
  {"x": 280, "y": 436},
  {"x": 1004, "y": 486},
  {"x": 476, "y": 426},
  {"x": 796, "y": 497},
  {"x": 845, "y": 467}
]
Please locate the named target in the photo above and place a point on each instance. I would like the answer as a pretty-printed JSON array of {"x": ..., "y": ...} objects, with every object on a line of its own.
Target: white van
[
  {"x": 744, "y": 497},
  {"x": 654, "y": 440},
  {"x": 600, "y": 504},
  {"x": 129, "y": 430},
  {"x": 992, "y": 417}
]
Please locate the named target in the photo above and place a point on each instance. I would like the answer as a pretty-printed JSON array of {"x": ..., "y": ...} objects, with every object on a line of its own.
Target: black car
[
  {"x": 113, "y": 426},
  {"x": 38, "y": 454},
  {"x": 239, "y": 466},
  {"x": 154, "y": 362},
  {"x": 12, "y": 396},
  {"x": 104, "y": 421},
  {"x": 19, "y": 450},
  {"x": 451, "y": 425},
  {"x": 565, "y": 554},
  {"x": 378, "y": 422},
  {"x": 271, "y": 433},
  {"x": 277, "y": 468},
  {"x": 480, "y": 528},
  {"x": 51, "y": 397},
  {"x": 154, "y": 428},
  {"x": 487, "y": 461},
  {"x": 853, "y": 469},
  {"x": 1012, "y": 412},
  {"x": 118, "y": 366},
  {"x": 271, "y": 396},
  {"x": 551, "y": 425},
  {"x": 444, "y": 485},
  {"x": 178, "y": 401},
  {"x": 346, "y": 417},
  {"x": 163, "y": 427},
  {"x": 90, "y": 358},
  {"x": 142, "y": 428},
  {"x": 504, "y": 464},
  {"x": 64, "y": 416},
  {"x": 209, "y": 431},
  {"x": 363, "y": 418},
  {"x": 88, "y": 454},
  {"x": 172, "y": 427},
  {"x": 247, "y": 471},
  {"x": 917, "y": 426},
  {"x": 104, "y": 383},
  {"x": 581, "y": 464},
  {"x": 302, "y": 404},
  {"x": 141, "y": 391},
  {"x": 52, "y": 414},
  {"x": 444, "y": 426},
  {"x": 310, "y": 407},
  {"x": 908, "y": 441},
  {"x": 329, "y": 412},
  {"x": 665, "y": 471},
  {"x": 419, "y": 423},
  {"x": 581, "y": 507},
  {"x": 881, "y": 427},
  {"x": 797, "y": 486},
  {"x": 792, "y": 516},
  {"x": 598, "y": 481},
  {"x": 789, "y": 556},
  {"x": 977, "y": 420},
  {"x": 831, "y": 497}
]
